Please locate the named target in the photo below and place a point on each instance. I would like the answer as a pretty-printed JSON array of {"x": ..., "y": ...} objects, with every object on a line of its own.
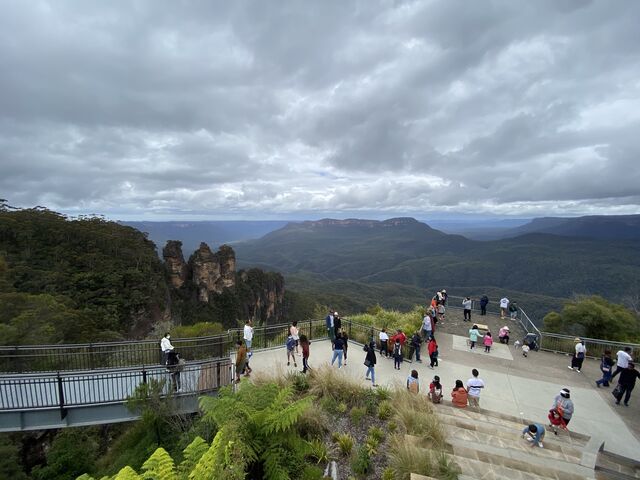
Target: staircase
[{"x": 488, "y": 445}]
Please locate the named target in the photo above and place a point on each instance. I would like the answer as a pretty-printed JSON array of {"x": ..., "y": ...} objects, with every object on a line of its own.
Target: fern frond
[
  {"x": 85, "y": 476},
  {"x": 192, "y": 455},
  {"x": 284, "y": 419},
  {"x": 159, "y": 466},
  {"x": 273, "y": 459},
  {"x": 127, "y": 473}
]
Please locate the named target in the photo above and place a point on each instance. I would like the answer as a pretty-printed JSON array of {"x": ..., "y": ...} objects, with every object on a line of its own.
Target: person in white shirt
[
  {"x": 427, "y": 327},
  {"x": 624, "y": 357},
  {"x": 578, "y": 357},
  {"x": 293, "y": 330},
  {"x": 166, "y": 347},
  {"x": 466, "y": 305},
  {"x": 248, "y": 334},
  {"x": 474, "y": 386},
  {"x": 384, "y": 343},
  {"x": 504, "y": 305}
]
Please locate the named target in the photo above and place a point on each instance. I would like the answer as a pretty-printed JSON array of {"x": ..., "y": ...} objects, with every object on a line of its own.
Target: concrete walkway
[{"x": 515, "y": 385}]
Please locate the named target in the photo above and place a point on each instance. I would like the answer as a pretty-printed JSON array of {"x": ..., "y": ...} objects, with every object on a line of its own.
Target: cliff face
[
  {"x": 174, "y": 260},
  {"x": 209, "y": 288}
]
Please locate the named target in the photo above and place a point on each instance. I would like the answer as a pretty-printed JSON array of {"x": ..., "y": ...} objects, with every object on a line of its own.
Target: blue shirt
[{"x": 536, "y": 436}]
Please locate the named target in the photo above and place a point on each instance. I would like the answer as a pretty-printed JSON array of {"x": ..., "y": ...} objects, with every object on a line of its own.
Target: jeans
[
  {"x": 467, "y": 314},
  {"x": 483, "y": 309},
  {"x": 247, "y": 343},
  {"x": 606, "y": 378},
  {"x": 415, "y": 349},
  {"x": 384, "y": 348},
  {"x": 426, "y": 334},
  {"x": 371, "y": 372},
  {"x": 305, "y": 364},
  {"x": 434, "y": 360},
  {"x": 626, "y": 390},
  {"x": 337, "y": 354}
]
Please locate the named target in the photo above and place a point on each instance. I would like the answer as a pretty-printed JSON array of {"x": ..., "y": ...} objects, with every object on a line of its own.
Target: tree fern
[
  {"x": 159, "y": 466},
  {"x": 127, "y": 473},
  {"x": 192, "y": 455},
  {"x": 280, "y": 420}
]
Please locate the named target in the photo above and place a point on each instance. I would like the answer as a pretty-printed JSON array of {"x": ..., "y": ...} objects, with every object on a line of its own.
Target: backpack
[
  {"x": 291, "y": 343},
  {"x": 396, "y": 349},
  {"x": 413, "y": 387}
]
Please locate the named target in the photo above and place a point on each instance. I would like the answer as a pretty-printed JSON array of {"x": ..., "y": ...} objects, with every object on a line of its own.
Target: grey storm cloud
[{"x": 163, "y": 108}]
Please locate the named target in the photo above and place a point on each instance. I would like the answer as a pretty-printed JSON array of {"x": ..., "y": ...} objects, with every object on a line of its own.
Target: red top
[
  {"x": 305, "y": 349},
  {"x": 432, "y": 346},
  {"x": 399, "y": 336}
]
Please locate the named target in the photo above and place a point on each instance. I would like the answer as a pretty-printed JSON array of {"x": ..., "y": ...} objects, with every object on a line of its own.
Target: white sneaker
[
  {"x": 540, "y": 445},
  {"x": 529, "y": 439}
]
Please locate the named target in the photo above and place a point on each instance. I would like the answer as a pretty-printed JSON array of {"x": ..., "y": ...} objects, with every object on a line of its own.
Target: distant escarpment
[{"x": 208, "y": 288}]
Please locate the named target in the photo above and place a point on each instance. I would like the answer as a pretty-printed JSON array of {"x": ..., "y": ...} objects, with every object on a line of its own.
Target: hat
[
  {"x": 335, "y": 313},
  {"x": 565, "y": 393},
  {"x": 577, "y": 340},
  {"x": 444, "y": 291},
  {"x": 505, "y": 327}
]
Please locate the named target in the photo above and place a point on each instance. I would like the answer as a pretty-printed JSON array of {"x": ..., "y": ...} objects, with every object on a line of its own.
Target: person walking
[
  {"x": 473, "y": 336},
  {"x": 397, "y": 354},
  {"x": 427, "y": 326},
  {"x": 345, "y": 345},
  {"x": 293, "y": 330},
  {"x": 291, "y": 345},
  {"x": 534, "y": 433},
  {"x": 488, "y": 341},
  {"x": 338, "y": 350},
  {"x": 626, "y": 383},
  {"x": 384, "y": 342},
  {"x": 578, "y": 356},
  {"x": 416, "y": 342},
  {"x": 459, "y": 396},
  {"x": 474, "y": 387},
  {"x": 241, "y": 361},
  {"x": 165, "y": 347},
  {"x": 504, "y": 305},
  {"x": 624, "y": 357},
  {"x": 435, "y": 390},
  {"x": 484, "y": 301},
  {"x": 466, "y": 305},
  {"x": 329, "y": 320},
  {"x": 248, "y": 334},
  {"x": 304, "y": 345},
  {"x": 563, "y": 405},
  {"x": 606, "y": 367},
  {"x": 370, "y": 363},
  {"x": 432, "y": 348},
  {"x": 413, "y": 384}
]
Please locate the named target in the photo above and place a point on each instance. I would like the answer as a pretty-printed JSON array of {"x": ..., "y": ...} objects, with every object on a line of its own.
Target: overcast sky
[{"x": 302, "y": 109}]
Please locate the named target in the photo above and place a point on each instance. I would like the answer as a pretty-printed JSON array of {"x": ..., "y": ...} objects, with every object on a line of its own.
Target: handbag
[
  {"x": 617, "y": 392},
  {"x": 367, "y": 362}
]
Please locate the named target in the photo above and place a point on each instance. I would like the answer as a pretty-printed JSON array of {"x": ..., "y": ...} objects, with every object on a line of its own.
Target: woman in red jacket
[{"x": 432, "y": 348}]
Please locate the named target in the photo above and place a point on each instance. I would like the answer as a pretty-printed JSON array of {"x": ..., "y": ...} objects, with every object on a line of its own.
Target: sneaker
[
  {"x": 618, "y": 402},
  {"x": 626, "y": 404},
  {"x": 288, "y": 363},
  {"x": 540, "y": 445},
  {"x": 367, "y": 378},
  {"x": 597, "y": 384},
  {"x": 569, "y": 367},
  {"x": 374, "y": 385},
  {"x": 295, "y": 364}
]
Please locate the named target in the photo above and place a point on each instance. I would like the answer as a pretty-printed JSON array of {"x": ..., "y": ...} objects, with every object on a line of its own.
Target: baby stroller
[
  {"x": 531, "y": 340},
  {"x": 175, "y": 365}
]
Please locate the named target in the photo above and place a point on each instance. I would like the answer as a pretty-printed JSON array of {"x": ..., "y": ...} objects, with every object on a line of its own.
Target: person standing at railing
[
  {"x": 504, "y": 305},
  {"x": 165, "y": 347},
  {"x": 293, "y": 330},
  {"x": 466, "y": 305},
  {"x": 337, "y": 323},
  {"x": 330, "y": 326},
  {"x": 513, "y": 311},
  {"x": 241, "y": 361},
  {"x": 484, "y": 301},
  {"x": 248, "y": 334},
  {"x": 427, "y": 326},
  {"x": 624, "y": 357},
  {"x": 384, "y": 342}
]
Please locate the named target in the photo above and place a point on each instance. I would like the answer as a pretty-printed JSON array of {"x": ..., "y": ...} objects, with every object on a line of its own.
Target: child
[
  {"x": 293, "y": 330},
  {"x": 432, "y": 347},
  {"x": 606, "y": 367},
  {"x": 413, "y": 385},
  {"x": 473, "y": 336},
  {"x": 291, "y": 345},
  {"x": 525, "y": 349},
  {"x": 488, "y": 341},
  {"x": 384, "y": 343},
  {"x": 397, "y": 354},
  {"x": 241, "y": 361},
  {"x": 459, "y": 395},
  {"x": 435, "y": 390},
  {"x": 304, "y": 344},
  {"x": 441, "y": 311},
  {"x": 535, "y": 434}
]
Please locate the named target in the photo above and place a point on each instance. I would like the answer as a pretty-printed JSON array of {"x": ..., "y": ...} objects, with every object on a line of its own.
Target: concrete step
[
  {"x": 612, "y": 466},
  {"x": 523, "y": 461},
  {"x": 497, "y": 418},
  {"x": 495, "y": 434},
  {"x": 477, "y": 470}
]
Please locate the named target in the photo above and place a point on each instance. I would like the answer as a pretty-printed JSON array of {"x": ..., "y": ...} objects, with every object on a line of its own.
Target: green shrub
[
  {"x": 200, "y": 329},
  {"x": 385, "y": 410},
  {"x": 392, "y": 426},
  {"x": 357, "y": 413},
  {"x": 387, "y": 474},
  {"x": 371, "y": 445},
  {"x": 312, "y": 424},
  {"x": 300, "y": 382},
  {"x": 311, "y": 472},
  {"x": 383, "y": 393},
  {"x": 329, "y": 404},
  {"x": 345, "y": 443},
  {"x": 376, "y": 433},
  {"x": 318, "y": 451},
  {"x": 342, "y": 407},
  {"x": 327, "y": 382},
  {"x": 361, "y": 463}
]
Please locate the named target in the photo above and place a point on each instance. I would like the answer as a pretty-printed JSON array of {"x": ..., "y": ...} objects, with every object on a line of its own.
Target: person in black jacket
[
  {"x": 370, "y": 362},
  {"x": 626, "y": 383},
  {"x": 416, "y": 341},
  {"x": 484, "y": 301}
]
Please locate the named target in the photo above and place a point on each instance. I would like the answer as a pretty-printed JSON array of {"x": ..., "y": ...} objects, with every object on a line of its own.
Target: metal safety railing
[{"x": 102, "y": 387}]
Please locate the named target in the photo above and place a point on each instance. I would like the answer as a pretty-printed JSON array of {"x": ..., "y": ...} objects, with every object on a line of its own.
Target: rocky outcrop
[
  {"x": 212, "y": 272},
  {"x": 261, "y": 295},
  {"x": 174, "y": 261}
]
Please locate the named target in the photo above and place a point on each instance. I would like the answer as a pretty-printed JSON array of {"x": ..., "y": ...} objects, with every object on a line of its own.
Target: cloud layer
[{"x": 299, "y": 109}]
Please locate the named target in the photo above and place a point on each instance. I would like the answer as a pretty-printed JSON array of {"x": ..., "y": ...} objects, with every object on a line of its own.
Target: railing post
[
  {"x": 63, "y": 411},
  {"x": 310, "y": 329},
  {"x": 144, "y": 375},
  {"x": 91, "y": 362},
  {"x": 217, "y": 374},
  {"x": 349, "y": 323}
]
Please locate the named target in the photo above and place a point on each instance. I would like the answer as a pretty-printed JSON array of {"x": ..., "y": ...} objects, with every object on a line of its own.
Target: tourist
[
  {"x": 338, "y": 350},
  {"x": 416, "y": 342},
  {"x": 248, "y": 334},
  {"x": 624, "y": 357},
  {"x": 466, "y": 305},
  {"x": 384, "y": 342},
  {"x": 413, "y": 384},
  {"x": 399, "y": 336},
  {"x": 513, "y": 311},
  {"x": 474, "y": 387},
  {"x": 345, "y": 345},
  {"x": 435, "y": 390},
  {"x": 504, "y": 305},
  {"x": 291, "y": 345},
  {"x": 370, "y": 363},
  {"x": 525, "y": 349},
  {"x": 474, "y": 333},
  {"x": 330, "y": 323},
  {"x": 165, "y": 347},
  {"x": 444, "y": 296},
  {"x": 293, "y": 330},
  {"x": 337, "y": 322},
  {"x": 397, "y": 354},
  {"x": 441, "y": 312},
  {"x": 503, "y": 335},
  {"x": 304, "y": 344},
  {"x": 606, "y": 367},
  {"x": 578, "y": 356},
  {"x": 563, "y": 405},
  {"x": 484, "y": 301},
  {"x": 626, "y": 383},
  {"x": 241, "y": 360},
  {"x": 534, "y": 434},
  {"x": 487, "y": 340},
  {"x": 174, "y": 366},
  {"x": 427, "y": 326},
  {"x": 459, "y": 396},
  {"x": 432, "y": 348}
]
